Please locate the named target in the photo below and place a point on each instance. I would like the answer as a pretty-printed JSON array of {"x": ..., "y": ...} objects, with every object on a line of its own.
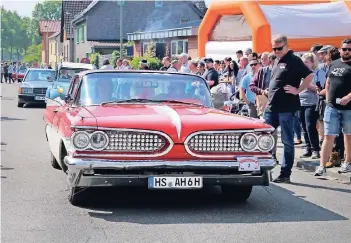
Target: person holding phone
[{"x": 308, "y": 113}]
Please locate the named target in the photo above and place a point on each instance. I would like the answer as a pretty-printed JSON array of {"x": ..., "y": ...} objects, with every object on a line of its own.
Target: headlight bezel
[
  {"x": 257, "y": 147},
  {"x": 103, "y": 134},
  {"x": 75, "y": 134},
  {"x": 262, "y": 136},
  {"x": 242, "y": 139}
]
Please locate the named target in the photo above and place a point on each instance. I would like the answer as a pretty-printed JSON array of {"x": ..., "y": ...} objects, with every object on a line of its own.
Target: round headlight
[
  {"x": 266, "y": 142},
  {"x": 248, "y": 142},
  {"x": 80, "y": 140},
  {"x": 99, "y": 140}
]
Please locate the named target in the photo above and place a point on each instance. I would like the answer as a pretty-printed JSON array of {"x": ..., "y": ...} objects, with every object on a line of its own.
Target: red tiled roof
[{"x": 50, "y": 26}]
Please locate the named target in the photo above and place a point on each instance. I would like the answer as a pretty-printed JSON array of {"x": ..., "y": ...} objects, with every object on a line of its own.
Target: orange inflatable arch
[{"x": 260, "y": 28}]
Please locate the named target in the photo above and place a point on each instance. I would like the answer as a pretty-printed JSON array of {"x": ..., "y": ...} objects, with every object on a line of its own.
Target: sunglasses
[
  {"x": 346, "y": 49},
  {"x": 278, "y": 48},
  {"x": 253, "y": 64}
]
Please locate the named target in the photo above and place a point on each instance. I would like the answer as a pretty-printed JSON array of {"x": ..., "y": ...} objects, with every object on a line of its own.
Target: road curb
[{"x": 311, "y": 166}]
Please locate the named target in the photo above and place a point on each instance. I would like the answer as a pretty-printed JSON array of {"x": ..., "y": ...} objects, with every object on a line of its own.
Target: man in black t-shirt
[
  {"x": 337, "y": 114},
  {"x": 283, "y": 98},
  {"x": 211, "y": 73}
]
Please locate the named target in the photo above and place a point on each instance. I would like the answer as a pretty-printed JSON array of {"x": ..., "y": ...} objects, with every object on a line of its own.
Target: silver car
[{"x": 33, "y": 88}]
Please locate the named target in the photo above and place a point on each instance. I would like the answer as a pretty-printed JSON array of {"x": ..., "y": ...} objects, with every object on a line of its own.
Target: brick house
[
  {"x": 169, "y": 42},
  {"x": 46, "y": 29},
  {"x": 100, "y": 22},
  {"x": 55, "y": 49},
  {"x": 174, "y": 37},
  {"x": 70, "y": 9}
]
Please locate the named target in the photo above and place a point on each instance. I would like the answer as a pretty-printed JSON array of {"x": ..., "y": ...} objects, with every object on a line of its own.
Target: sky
[{"x": 25, "y": 7}]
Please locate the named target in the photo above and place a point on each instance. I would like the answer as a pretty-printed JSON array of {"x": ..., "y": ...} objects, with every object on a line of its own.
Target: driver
[
  {"x": 65, "y": 74},
  {"x": 103, "y": 91}
]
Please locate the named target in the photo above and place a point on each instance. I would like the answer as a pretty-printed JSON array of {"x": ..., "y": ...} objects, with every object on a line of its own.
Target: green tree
[
  {"x": 47, "y": 10},
  {"x": 33, "y": 54}
]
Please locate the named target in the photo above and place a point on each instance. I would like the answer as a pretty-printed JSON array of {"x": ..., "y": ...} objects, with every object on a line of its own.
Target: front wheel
[
  {"x": 20, "y": 104},
  {"x": 236, "y": 193},
  {"x": 54, "y": 163}
]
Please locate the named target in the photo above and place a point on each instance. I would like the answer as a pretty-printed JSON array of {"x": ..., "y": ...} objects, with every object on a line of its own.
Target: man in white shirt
[
  {"x": 106, "y": 65},
  {"x": 183, "y": 59}
]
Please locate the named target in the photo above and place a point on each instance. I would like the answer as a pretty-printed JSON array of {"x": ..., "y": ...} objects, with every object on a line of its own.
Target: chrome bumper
[{"x": 81, "y": 171}]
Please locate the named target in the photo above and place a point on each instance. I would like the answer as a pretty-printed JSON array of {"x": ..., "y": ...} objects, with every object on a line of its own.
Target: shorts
[{"x": 335, "y": 120}]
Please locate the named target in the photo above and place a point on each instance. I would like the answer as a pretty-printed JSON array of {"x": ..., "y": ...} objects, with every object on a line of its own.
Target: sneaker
[
  {"x": 281, "y": 179},
  {"x": 315, "y": 155},
  {"x": 345, "y": 167},
  {"x": 320, "y": 171},
  {"x": 307, "y": 154}
]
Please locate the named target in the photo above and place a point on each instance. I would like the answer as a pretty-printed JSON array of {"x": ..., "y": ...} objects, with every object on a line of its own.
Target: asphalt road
[{"x": 35, "y": 208}]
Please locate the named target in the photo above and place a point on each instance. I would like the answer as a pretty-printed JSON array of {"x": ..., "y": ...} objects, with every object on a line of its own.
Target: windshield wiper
[
  {"x": 179, "y": 102},
  {"x": 128, "y": 101},
  {"x": 148, "y": 100}
]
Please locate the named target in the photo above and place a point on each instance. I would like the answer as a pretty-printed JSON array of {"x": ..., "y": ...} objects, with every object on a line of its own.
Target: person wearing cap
[
  {"x": 106, "y": 65},
  {"x": 144, "y": 65},
  {"x": 175, "y": 66},
  {"x": 321, "y": 56},
  {"x": 211, "y": 75},
  {"x": 183, "y": 59},
  {"x": 315, "y": 48}
]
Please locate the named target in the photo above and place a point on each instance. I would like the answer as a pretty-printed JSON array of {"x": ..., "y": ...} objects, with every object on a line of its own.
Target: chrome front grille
[
  {"x": 39, "y": 91},
  {"x": 214, "y": 143},
  {"x": 134, "y": 141}
]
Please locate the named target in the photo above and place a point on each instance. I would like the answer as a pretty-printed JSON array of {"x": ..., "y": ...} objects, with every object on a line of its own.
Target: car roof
[
  {"x": 76, "y": 65},
  {"x": 83, "y": 73}
]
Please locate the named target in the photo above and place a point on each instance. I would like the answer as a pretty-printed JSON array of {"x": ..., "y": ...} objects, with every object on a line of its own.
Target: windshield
[
  {"x": 65, "y": 74},
  {"x": 40, "y": 75},
  {"x": 97, "y": 88}
]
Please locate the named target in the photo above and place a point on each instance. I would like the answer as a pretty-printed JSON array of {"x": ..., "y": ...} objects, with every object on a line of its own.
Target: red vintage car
[
  {"x": 20, "y": 74},
  {"x": 154, "y": 129}
]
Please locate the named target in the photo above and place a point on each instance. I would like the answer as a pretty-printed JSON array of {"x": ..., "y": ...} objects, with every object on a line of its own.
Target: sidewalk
[{"x": 310, "y": 165}]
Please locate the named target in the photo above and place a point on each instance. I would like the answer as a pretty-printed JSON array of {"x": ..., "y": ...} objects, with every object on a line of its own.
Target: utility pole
[
  {"x": 121, "y": 28},
  {"x": 47, "y": 46}
]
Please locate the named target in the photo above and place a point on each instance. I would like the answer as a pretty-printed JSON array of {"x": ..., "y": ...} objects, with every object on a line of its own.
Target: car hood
[
  {"x": 37, "y": 84},
  {"x": 178, "y": 121}
]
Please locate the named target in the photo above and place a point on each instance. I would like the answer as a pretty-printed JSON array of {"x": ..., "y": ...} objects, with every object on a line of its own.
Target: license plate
[
  {"x": 39, "y": 97},
  {"x": 174, "y": 182},
  {"x": 248, "y": 164}
]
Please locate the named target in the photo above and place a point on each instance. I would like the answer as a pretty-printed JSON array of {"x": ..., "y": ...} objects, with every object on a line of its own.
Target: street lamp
[{"x": 120, "y": 2}]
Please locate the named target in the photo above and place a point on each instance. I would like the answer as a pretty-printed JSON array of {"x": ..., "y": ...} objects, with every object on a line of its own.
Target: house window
[
  {"x": 83, "y": 33},
  {"x": 145, "y": 45},
  {"x": 158, "y": 3},
  {"x": 179, "y": 46},
  {"x": 77, "y": 35}
]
